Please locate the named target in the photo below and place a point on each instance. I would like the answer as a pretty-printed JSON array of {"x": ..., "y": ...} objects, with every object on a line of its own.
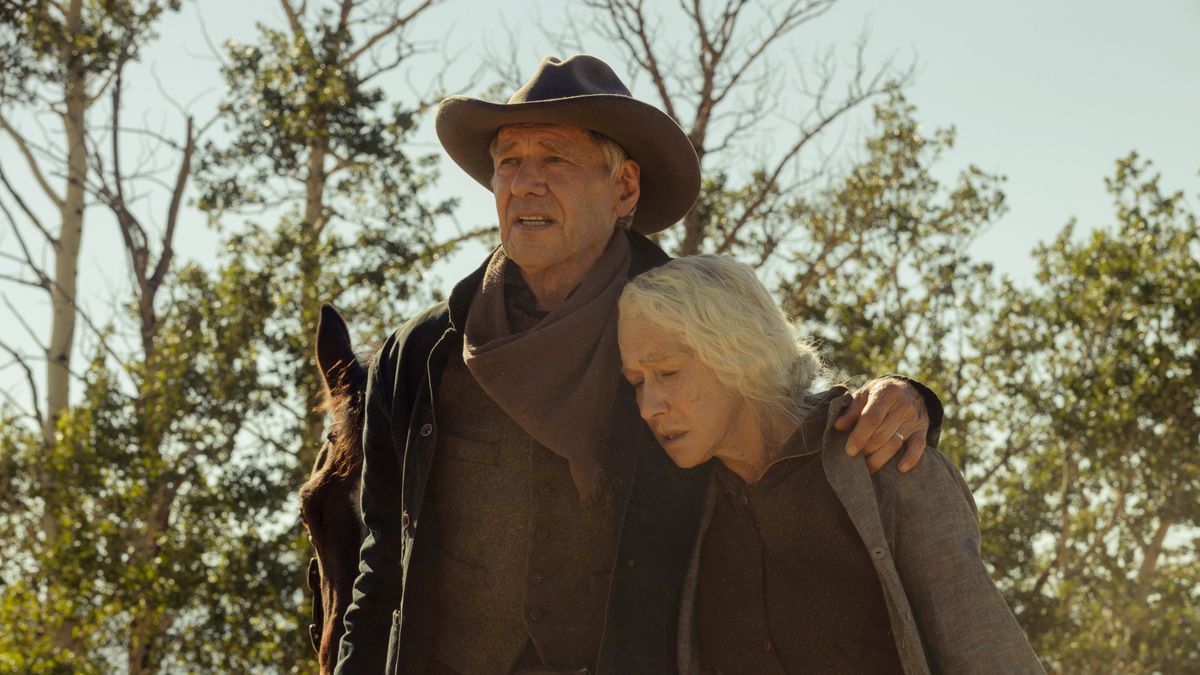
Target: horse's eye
[{"x": 330, "y": 438}]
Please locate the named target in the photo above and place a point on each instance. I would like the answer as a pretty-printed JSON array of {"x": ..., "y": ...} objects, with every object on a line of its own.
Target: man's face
[{"x": 556, "y": 200}]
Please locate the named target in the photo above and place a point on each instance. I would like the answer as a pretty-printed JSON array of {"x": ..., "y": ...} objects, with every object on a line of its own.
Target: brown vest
[{"x": 521, "y": 559}]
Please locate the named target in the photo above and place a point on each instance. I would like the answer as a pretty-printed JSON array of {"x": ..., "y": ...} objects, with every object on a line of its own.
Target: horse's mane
[{"x": 344, "y": 403}]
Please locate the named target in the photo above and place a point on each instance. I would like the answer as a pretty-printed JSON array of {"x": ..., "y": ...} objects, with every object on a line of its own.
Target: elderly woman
[{"x": 805, "y": 562}]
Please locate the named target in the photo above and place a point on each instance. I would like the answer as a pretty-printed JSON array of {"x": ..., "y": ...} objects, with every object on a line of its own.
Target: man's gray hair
[{"x": 614, "y": 161}]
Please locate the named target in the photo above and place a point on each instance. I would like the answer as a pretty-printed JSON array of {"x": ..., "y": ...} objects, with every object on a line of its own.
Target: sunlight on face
[
  {"x": 556, "y": 199},
  {"x": 692, "y": 414}
]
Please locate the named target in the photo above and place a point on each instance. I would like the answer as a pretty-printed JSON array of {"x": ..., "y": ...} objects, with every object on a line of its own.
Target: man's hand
[{"x": 886, "y": 414}]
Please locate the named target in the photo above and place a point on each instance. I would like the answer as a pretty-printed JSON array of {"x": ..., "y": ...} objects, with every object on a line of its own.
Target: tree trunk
[
  {"x": 66, "y": 265},
  {"x": 310, "y": 293}
]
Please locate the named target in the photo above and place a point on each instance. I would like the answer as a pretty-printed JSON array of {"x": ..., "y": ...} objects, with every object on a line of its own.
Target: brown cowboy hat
[{"x": 582, "y": 91}]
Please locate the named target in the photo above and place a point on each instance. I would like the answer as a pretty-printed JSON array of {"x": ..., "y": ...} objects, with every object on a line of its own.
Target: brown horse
[{"x": 329, "y": 500}]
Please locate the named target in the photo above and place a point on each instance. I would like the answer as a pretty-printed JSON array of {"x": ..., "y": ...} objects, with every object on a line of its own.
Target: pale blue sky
[{"x": 1049, "y": 94}]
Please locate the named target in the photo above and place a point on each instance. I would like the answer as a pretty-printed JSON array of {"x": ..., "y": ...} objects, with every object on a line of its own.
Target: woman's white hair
[{"x": 718, "y": 309}]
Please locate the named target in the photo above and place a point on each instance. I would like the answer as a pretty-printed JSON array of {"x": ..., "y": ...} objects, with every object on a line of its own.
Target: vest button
[
  {"x": 546, "y": 490},
  {"x": 426, "y": 429},
  {"x": 543, "y": 534},
  {"x": 535, "y": 614},
  {"x": 538, "y": 579}
]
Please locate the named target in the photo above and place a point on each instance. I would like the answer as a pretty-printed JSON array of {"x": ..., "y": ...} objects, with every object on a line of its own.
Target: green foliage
[
  {"x": 1094, "y": 524},
  {"x": 1072, "y": 405},
  {"x": 170, "y": 503},
  {"x": 880, "y": 272},
  {"x": 38, "y": 43},
  {"x": 321, "y": 150}
]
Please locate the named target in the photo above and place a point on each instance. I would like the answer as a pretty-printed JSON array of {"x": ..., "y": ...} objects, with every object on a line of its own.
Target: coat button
[{"x": 426, "y": 429}]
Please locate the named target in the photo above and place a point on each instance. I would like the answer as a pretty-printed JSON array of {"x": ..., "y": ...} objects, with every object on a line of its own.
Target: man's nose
[{"x": 529, "y": 179}]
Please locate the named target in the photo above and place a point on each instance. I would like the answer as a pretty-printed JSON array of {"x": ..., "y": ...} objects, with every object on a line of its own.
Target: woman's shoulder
[{"x": 935, "y": 483}]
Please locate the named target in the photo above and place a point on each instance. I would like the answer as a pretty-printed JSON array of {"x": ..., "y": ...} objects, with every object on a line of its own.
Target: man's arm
[
  {"x": 889, "y": 413},
  {"x": 379, "y": 585}
]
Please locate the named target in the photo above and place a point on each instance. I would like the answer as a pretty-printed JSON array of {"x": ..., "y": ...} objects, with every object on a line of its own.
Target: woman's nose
[{"x": 651, "y": 402}]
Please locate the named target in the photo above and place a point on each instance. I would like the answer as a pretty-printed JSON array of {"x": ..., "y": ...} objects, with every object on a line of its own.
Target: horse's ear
[{"x": 334, "y": 349}]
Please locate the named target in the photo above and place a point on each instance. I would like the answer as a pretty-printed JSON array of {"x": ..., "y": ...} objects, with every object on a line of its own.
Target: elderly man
[{"x": 520, "y": 515}]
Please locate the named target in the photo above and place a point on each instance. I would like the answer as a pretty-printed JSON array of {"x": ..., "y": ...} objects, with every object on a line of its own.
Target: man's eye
[
  {"x": 668, "y": 373},
  {"x": 508, "y": 161}
]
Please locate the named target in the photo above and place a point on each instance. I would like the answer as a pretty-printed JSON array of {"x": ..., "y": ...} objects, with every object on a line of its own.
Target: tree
[
  {"x": 171, "y": 554},
  {"x": 725, "y": 86},
  {"x": 61, "y": 57},
  {"x": 879, "y": 272},
  {"x": 1093, "y": 525},
  {"x": 314, "y": 137},
  {"x": 168, "y": 493}
]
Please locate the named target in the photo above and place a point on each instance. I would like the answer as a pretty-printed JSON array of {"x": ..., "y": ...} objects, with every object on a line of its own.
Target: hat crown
[{"x": 579, "y": 75}]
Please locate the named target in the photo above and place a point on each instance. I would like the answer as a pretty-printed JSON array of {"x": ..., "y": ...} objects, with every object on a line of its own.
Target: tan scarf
[{"x": 557, "y": 380}]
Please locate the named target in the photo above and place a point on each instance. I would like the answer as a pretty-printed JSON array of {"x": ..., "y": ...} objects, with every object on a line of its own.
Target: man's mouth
[{"x": 533, "y": 222}]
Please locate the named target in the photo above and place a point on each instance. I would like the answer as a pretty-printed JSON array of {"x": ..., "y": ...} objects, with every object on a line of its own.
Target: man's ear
[{"x": 629, "y": 186}]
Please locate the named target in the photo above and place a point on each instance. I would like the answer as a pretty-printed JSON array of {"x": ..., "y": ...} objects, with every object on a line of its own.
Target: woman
[{"x": 804, "y": 561}]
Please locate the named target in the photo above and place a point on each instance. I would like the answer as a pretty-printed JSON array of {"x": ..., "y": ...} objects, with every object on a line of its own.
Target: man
[{"x": 519, "y": 513}]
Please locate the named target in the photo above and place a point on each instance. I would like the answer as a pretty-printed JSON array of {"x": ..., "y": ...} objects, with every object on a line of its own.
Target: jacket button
[
  {"x": 426, "y": 429},
  {"x": 404, "y": 520}
]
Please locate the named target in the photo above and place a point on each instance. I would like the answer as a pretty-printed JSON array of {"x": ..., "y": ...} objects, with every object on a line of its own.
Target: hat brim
[{"x": 670, "y": 171}]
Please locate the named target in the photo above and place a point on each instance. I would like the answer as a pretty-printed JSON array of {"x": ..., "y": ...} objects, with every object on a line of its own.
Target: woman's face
[{"x": 692, "y": 414}]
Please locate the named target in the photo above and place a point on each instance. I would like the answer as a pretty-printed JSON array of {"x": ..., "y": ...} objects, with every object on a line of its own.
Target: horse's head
[{"x": 329, "y": 499}]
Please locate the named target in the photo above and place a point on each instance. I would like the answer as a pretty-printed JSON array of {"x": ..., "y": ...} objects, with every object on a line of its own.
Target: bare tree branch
[
  {"x": 629, "y": 26},
  {"x": 20, "y": 318},
  {"x": 50, "y": 239},
  {"x": 397, "y": 23},
  {"x": 43, "y": 278},
  {"x": 19, "y": 359},
  {"x": 34, "y": 167},
  {"x": 293, "y": 17}
]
